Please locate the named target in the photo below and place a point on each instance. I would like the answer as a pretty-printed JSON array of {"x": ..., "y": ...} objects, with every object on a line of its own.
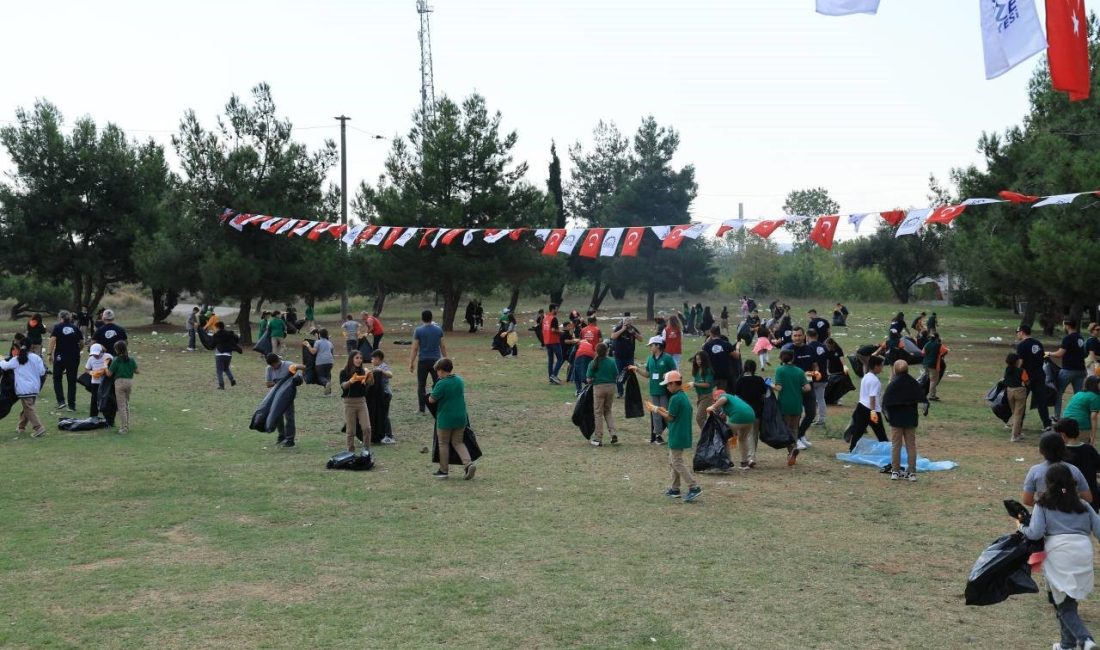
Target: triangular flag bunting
[
  {"x": 1016, "y": 197},
  {"x": 857, "y": 219},
  {"x": 981, "y": 201},
  {"x": 353, "y": 235},
  {"x": 428, "y": 232},
  {"x": 493, "y": 238},
  {"x": 893, "y": 217},
  {"x": 238, "y": 222},
  {"x": 514, "y": 236},
  {"x": 406, "y": 237},
  {"x": 379, "y": 236},
  {"x": 451, "y": 235},
  {"x": 440, "y": 234},
  {"x": 675, "y": 237},
  {"x": 1059, "y": 199},
  {"x": 661, "y": 231},
  {"x": 728, "y": 225},
  {"x": 289, "y": 225},
  {"x": 542, "y": 233},
  {"x": 226, "y": 214},
  {"x": 468, "y": 238},
  {"x": 303, "y": 228}
]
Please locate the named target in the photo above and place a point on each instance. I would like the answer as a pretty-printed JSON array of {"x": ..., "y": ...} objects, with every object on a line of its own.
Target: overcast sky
[{"x": 768, "y": 96}]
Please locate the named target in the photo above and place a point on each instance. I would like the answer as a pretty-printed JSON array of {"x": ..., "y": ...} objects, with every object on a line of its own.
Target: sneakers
[
  {"x": 469, "y": 472},
  {"x": 806, "y": 441},
  {"x": 439, "y": 474},
  {"x": 672, "y": 492},
  {"x": 388, "y": 440},
  {"x": 220, "y": 387},
  {"x": 232, "y": 382},
  {"x": 886, "y": 469},
  {"x": 801, "y": 444},
  {"x": 819, "y": 423},
  {"x": 554, "y": 380},
  {"x": 614, "y": 439},
  {"x": 912, "y": 476},
  {"x": 288, "y": 444},
  {"x": 692, "y": 494},
  {"x": 658, "y": 440},
  {"x": 38, "y": 434},
  {"x": 792, "y": 457},
  {"x": 60, "y": 406},
  {"x": 1088, "y": 644},
  {"x": 896, "y": 476},
  {"x": 596, "y": 443},
  {"x": 752, "y": 464}
]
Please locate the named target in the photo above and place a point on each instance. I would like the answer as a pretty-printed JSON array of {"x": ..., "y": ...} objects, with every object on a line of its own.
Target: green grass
[{"x": 193, "y": 531}]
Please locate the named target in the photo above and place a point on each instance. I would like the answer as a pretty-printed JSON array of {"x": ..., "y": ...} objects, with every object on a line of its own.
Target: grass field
[{"x": 192, "y": 531}]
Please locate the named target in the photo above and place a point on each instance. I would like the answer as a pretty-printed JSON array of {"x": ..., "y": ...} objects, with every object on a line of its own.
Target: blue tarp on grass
[{"x": 877, "y": 454}]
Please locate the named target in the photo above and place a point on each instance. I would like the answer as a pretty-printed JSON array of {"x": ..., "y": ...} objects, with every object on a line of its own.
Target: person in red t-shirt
[
  {"x": 674, "y": 338},
  {"x": 591, "y": 332}
]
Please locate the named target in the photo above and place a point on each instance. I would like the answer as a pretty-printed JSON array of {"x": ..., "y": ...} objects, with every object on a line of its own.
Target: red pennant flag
[
  {"x": 337, "y": 230},
  {"x": 1068, "y": 50},
  {"x": 319, "y": 230},
  {"x": 1016, "y": 197},
  {"x": 945, "y": 214},
  {"x": 451, "y": 235},
  {"x": 426, "y": 238},
  {"x": 367, "y": 233},
  {"x": 592, "y": 241},
  {"x": 824, "y": 230},
  {"x": 392, "y": 237},
  {"x": 893, "y": 217},
  {"x": 553, "y": 240},
  {"x": 766, "y": 228},
  {"x": 514, "y": 235},
  {"x": 225, "y": 216},
  {"x": 632, "y": 241},
  {"x": 254, "y": 219},
  {"x": 675, "y": 237},
  {"x": 489, "y": 232}
]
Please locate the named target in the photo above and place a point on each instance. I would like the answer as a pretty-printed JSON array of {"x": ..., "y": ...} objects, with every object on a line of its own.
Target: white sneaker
[
  {"x": 388, "y": 440},
  {"x": 1088, "y": 644},
  {"x": 806, "y": 441},
  {"x": 801, "y": 444},
  {"x": 896, "y": 476},
  {"x": 819, "y": 423}
]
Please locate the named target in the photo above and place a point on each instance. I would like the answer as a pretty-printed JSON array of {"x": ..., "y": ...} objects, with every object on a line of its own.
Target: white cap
[
  {"x": 108, "y": 314},
  {"x": 656, "y": 340},
  {"x": 96, "y": 350}
]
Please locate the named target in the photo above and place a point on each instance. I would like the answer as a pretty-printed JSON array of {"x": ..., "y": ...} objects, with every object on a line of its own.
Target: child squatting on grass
[{"x": 678, "y": 417}]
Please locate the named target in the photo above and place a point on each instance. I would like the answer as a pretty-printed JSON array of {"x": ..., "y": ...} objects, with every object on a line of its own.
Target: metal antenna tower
[{"x": 427, "y": 80}]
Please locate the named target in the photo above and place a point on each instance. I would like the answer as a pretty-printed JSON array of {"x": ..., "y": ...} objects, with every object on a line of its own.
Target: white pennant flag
[
  {"x": 498, "y": 235},
  {"x": 695, "y": 231},
  {"x": 857, "y": 219},
  {"x": 611, "y": 242},
  {"x": 573, "y": 236},
  {"x": 792, "y": 218},
  {"x": 283, "y": 229},
  {"x": 304, "y": 228},
  {"x": 1011, "y": 34},
  {"x": 238, "y": 222},
  {"x": 439, "y": 235},
  {"x": 542, "y": 233},
  {"x": 661, "y": 231},
  {"x": 352, "y": 234},
  {"x": 406, "y": 236},
  {"x": 981, "y": 201},
  {"x": 1059, "y": 199},
  {"x": 468, "y": 238},
  {"x": 846, "y": 7},
  {"x": 913, "y": 221},
  {"x": 268, "y": 222},
  {"x": 378, "y": 236}
]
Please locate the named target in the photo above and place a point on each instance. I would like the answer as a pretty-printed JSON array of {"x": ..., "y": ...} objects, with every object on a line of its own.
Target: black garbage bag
[
  {"x": 856, "y": 364},
  {"x": 85, "y": 380},
  {"x": 773, "y": 430},
  {"x": 584, "y": 415},
  {"x": 365, "y": 348},
  {"x": 632, "y": 395},
  {"x": 263, "y": 346},
  {"x": 106, "y": 397},
  {"x": 274, "y": 405},
  {"x": 997, "y": 398},
  {"x": 1001, "y": 571},
  {"x": 468, "y": 437},
  {"x": 351, "y": 461},
  {"x": 309, "y": 360},
  {"x": 8, "y": 398},
  {"x": 205, "y": 338},
  {"x": 837, "y": 386},
  {"x": 712, "y": 451},
  {"x": 82, "y": 424},
  {"x": 378, "y": 408}
]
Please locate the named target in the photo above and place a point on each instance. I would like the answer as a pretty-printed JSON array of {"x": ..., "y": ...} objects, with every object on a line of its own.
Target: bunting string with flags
[{"x": 594, "y": 243}]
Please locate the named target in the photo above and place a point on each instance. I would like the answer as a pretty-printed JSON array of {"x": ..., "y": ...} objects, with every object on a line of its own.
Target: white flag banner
[
  {"x": 611, "y": 242},
  {"x": 1059, "y": 199},
  {"x": 573, "y": 236},
  {"x": 731, "y": 224},
  {"x": 981, "y": 201},
  {"x": 237, "y": 223},
  {"x": 793, "y": 218},
  {"x": 352, "y": 234},
  {"x": 267, "y": 223},
  {"x": 857, "y": 219},
  {"x": 439, "y": 235},
  {"x": 1011, "y": 34},
  {"x": 378, "y": 236},
  {"x": 661, "y": 231},
  {"x": 286, "y": 226},
  {"x": 468, "y": 238},
  {"x": 406, "y": 236},
  {"x": 913, "y": 221},
  {"x": 498, "y": 235},
  {"x": 542, "y": 233},
  {"x": 695, "y": 231},
  {"x": 304, "y": 228},
  {"x": 255, "y": 218},
  {"x": 846, "y": 7}
]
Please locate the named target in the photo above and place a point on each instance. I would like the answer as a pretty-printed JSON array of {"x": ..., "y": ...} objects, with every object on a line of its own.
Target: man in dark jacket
[{"x": 899, "y": 404}]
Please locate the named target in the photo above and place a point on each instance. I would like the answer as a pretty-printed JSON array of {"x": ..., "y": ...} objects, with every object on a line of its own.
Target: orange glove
[
  {"x": 817, "y": 376},
  {"x": 874, "y": 417}
]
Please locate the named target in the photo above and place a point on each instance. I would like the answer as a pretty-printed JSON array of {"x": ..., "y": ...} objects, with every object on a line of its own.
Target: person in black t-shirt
[
  {"x": 65, "y": 343},
  {"x": 817, "y": 323},
  {"x": 623, "y": 339},
  {"x": 1081, "y": 455},
  {"x": 1072, "y": 353},
  {"x": 821, "y": 361},
  {"x": 108, "y": 334},
  {"x": 725, "y": 360},
  {"x": 752, "y": 389},
  {"x": 1092, "y": 346},
  {"x": 1030, "y": 350},
  {"x": 805, "y": 358}
]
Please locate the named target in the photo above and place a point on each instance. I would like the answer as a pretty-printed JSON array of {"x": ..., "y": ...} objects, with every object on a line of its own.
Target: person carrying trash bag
[
  {"x": 657, "y": 365},
  {"x": 449, "y": 396},
  {"x": 899, "y": 403},
  {"x": 29, "y": 371},
  {"x": 739, "y": 418},
  {"x": 277, "y": 370},
  {"x": 96, "y": 365},
  {"x": 601, "y": 378},
  {"x": 1064, "y": 522},
  {"x": 678, "y": 417},
  {"x": 354, "y": 380},
  {"x": 790, "y": 387},
  {"x": 869, "y": 407}
]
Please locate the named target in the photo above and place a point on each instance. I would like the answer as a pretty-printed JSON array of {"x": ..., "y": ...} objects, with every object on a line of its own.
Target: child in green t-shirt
[
  {"x": 790, "y": 383},
  {"x": 678, "y": 417},
  {"x": 449, "y": 394}
]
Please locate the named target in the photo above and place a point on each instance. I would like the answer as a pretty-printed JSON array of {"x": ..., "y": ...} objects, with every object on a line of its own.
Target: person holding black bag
[
  {"x": 354, "y": 380},
  {"x": 449, "y": 394}
]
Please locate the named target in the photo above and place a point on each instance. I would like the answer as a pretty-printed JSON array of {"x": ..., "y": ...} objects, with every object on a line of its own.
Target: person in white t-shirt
[{"x": 869, "y": 409}]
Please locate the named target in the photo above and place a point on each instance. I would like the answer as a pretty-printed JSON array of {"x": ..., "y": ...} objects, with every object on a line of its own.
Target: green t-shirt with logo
[
  {"x": 679, "y": 428},
  {"x": 792, "y": 379},
  {"x": 655, "y": 368},
  {"x": 704, "y": 378},
  {"x": 450, "y": 396},
  {"x": 738, "y": 411}
]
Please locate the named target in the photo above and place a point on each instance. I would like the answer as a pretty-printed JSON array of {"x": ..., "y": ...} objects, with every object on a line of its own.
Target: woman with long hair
[
  {"x": 702, "y": 376},
  {"x": 354, "y": 380},
  {"x": 674, "y": 338},
  {"x": 29, "y": 370},
  {"x": 602, "y": 373},
  {"x": 1064, "y": 522}
]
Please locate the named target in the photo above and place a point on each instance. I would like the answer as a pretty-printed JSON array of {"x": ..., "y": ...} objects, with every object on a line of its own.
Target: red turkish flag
[
  {"x": 824, "y": 230},
  {"x": 632, "y": 241},
  {"x": 945, "y": 214},
  {"x": 451, "y": 235},
  {"x": 317, "y": 231},
  {"x": 272, "y": 227},
  {"x": 337, "y": 230},
  {"x": 893, "y": 217},
  {"x": 367, "y": 233},
  {"x": 592, "y": 241},
  {"x": 553, "y": 240},
  {"x": 1068, "y": 47},
  {"x": 426, "y": 238},
  {"x": 388, "y": 242},
  {"x": 514, "y": 235},
  {"x": 675, "y": 237},
  {"x": 1016, "y": 197},
  {"x": 766, "y": 228}
]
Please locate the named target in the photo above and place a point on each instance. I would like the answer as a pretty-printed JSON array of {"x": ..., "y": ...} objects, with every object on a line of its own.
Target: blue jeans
[
  {"x": 620, "y": 366},
  {"x": 554, "y": 359},
  {"x": 1075, "y": 378},
  {"x": 580, "y": 371}
]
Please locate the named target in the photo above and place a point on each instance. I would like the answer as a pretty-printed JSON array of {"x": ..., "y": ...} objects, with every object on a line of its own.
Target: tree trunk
[
  {"x": 649, "y": 295},
  {"x": 100, "y": 290},
  {"x": 1075, "y": 310},
  {"x": 164, "y": 300},
  {"x": 1049, "y": 319},
  {"x": 78, "y": 292},
  {"x": 244, "y": 329},
  {"x": 557, "y": 295},
  {"x": 514, "y": 299},
  {"x": 379, "y": 299},
  {"x": 1027, "y": 319},
  {"x": 451, "y": 298},
  {"x": 18, "y": 310},
  {"x": 599, "y": 293}
]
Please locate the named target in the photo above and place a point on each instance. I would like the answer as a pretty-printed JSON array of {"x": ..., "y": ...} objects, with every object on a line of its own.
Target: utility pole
[
  {"x": 343, "y": 205},
  {"x": 427, "y": 77}
]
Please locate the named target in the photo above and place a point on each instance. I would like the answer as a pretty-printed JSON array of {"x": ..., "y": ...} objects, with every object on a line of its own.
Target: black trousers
[
  {"x": 809, "y": 412},
  {"x": 424, "y": 367},
  {"x": 67, "y": 368},
  {"x": 377, "y": 341},
  {"x": 94, "y": 410},
  {"x": 861, "y": 418},
  {"x": 1040, "y": 397}
]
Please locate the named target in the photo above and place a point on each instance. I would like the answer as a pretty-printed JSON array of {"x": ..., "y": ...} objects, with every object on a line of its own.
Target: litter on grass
[{"x": 877, "y": 454}]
